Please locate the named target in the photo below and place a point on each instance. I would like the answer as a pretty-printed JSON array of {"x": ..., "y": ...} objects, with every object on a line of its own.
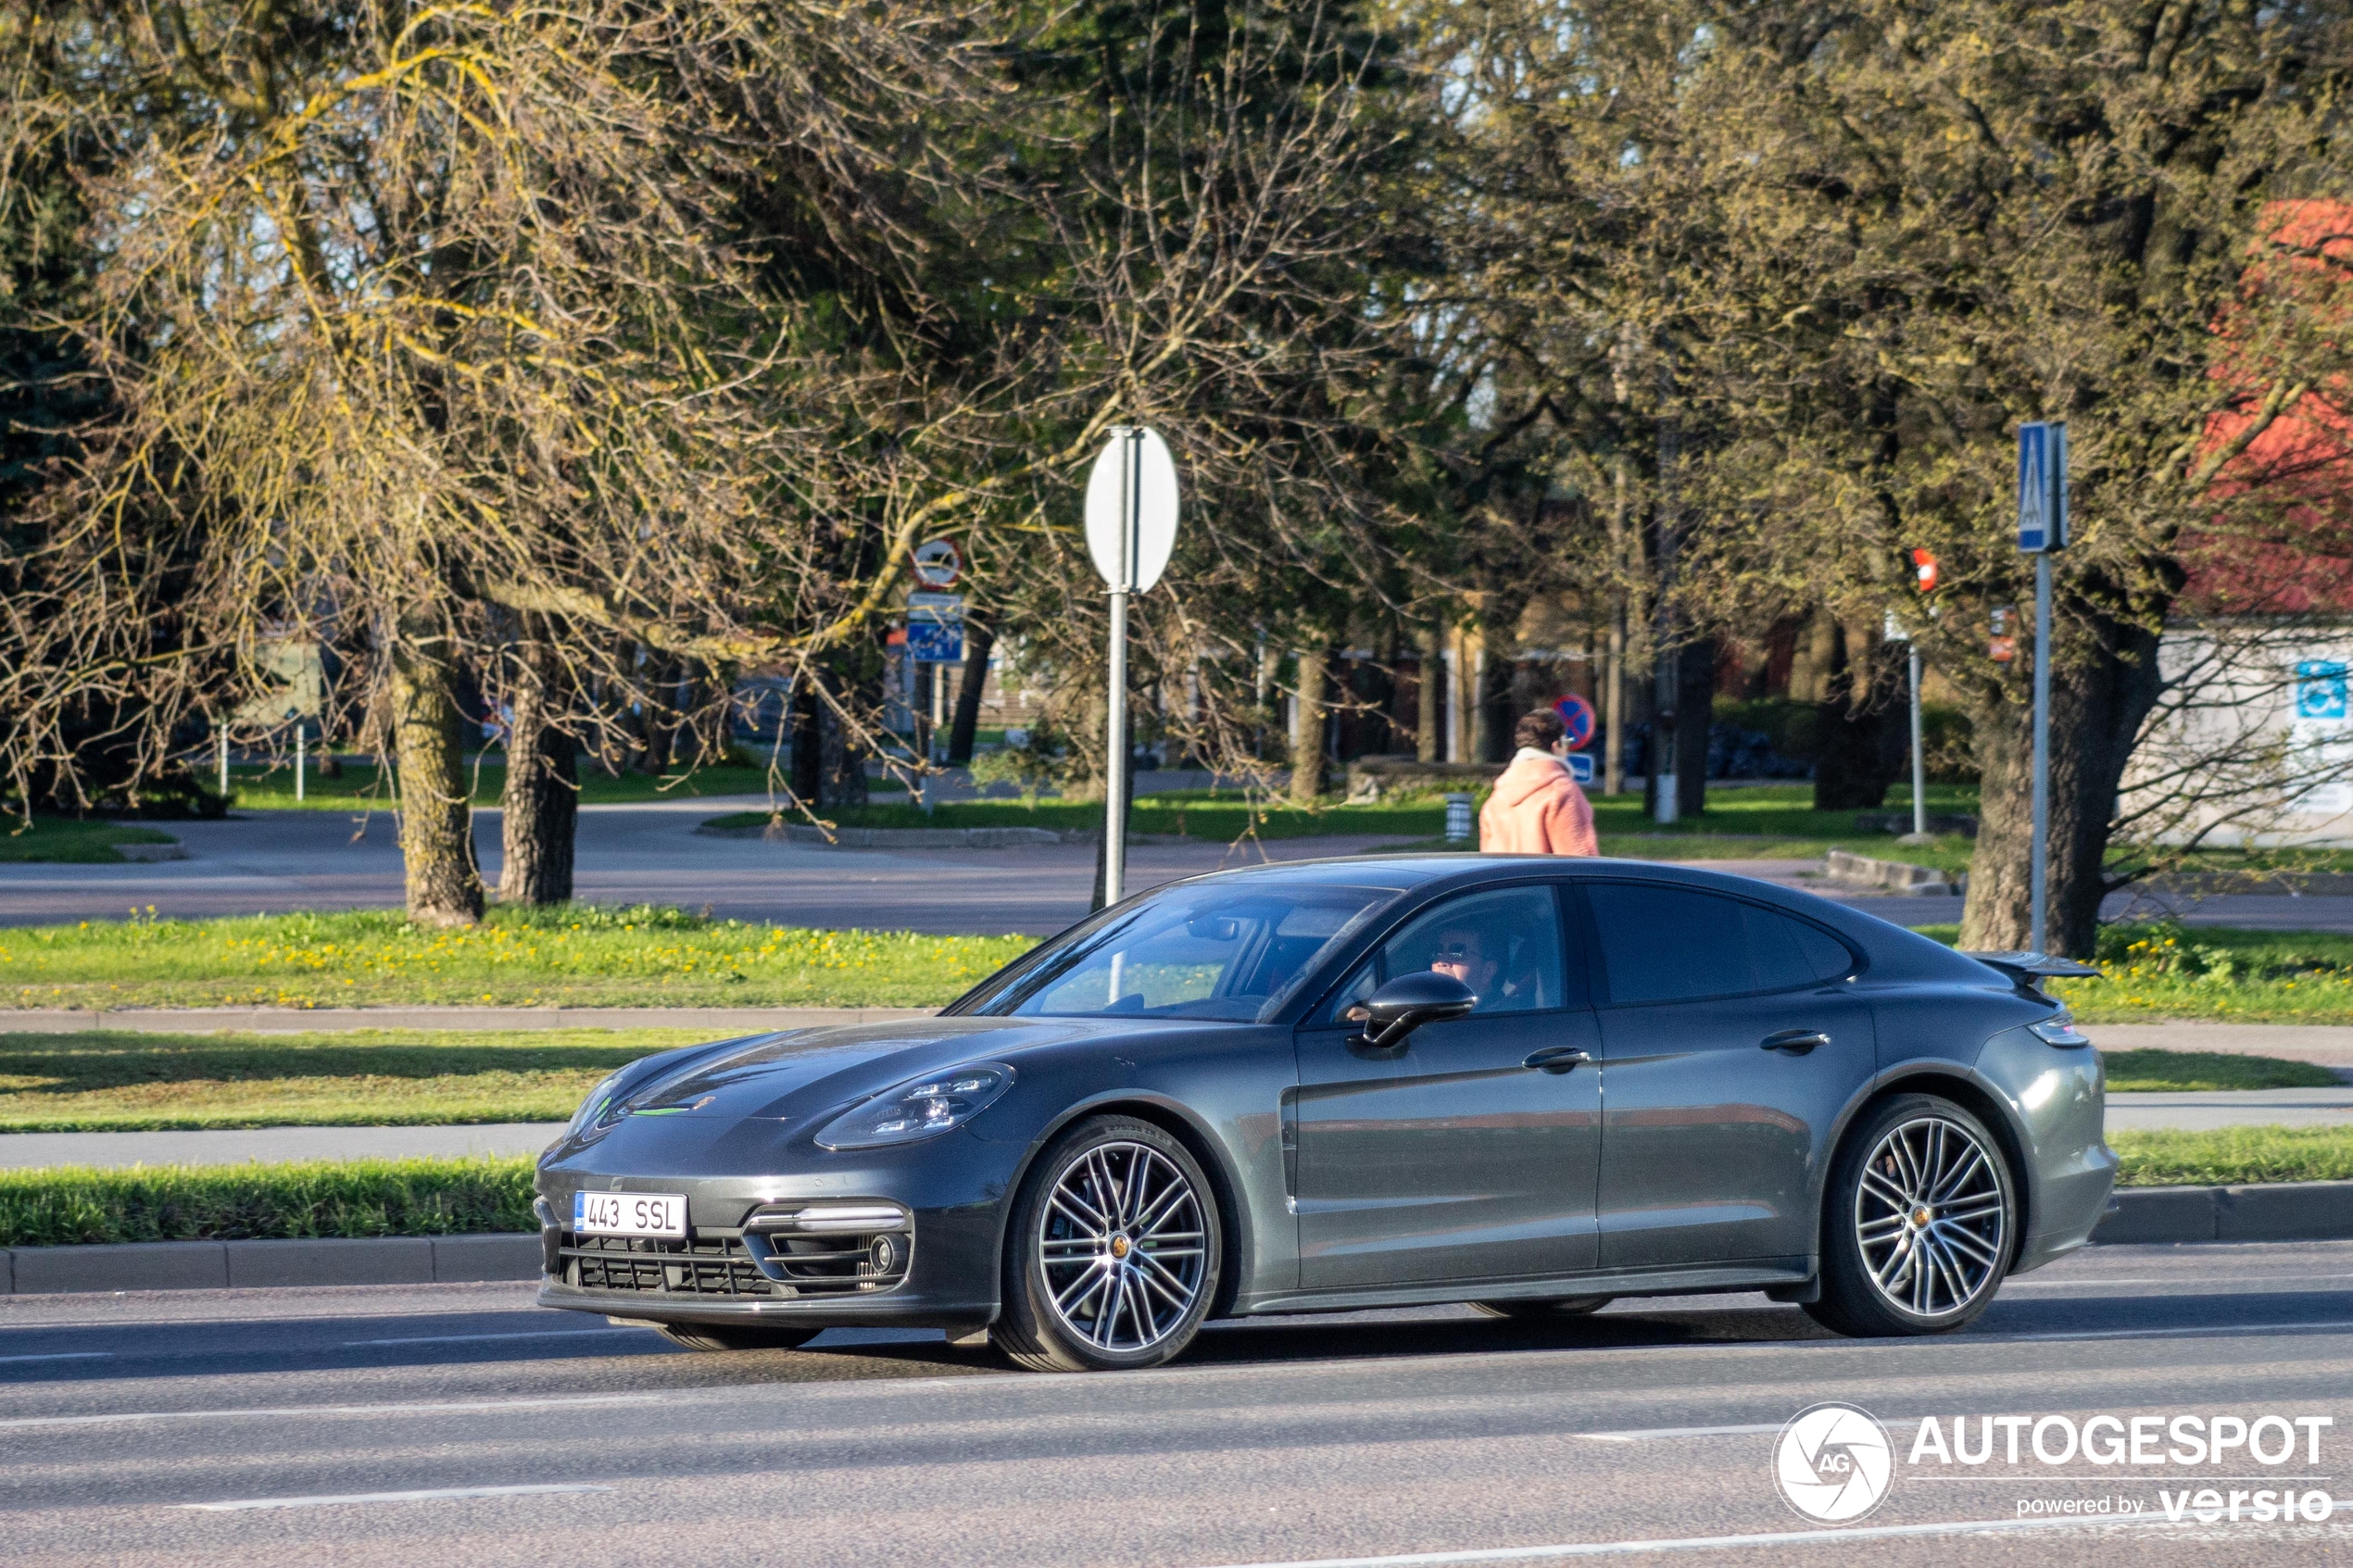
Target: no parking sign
[{"x": 1577, "y": 718}]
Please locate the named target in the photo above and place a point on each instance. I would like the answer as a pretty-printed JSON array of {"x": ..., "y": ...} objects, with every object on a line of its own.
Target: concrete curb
[
  {"x": 247, "y": 1265},
  {"x": 1845, "y": 867},
  {"x": 2272, "y": 1211},
  {"x": 2288, "y": 1212},
  {"x": 298, "y": 1020}
]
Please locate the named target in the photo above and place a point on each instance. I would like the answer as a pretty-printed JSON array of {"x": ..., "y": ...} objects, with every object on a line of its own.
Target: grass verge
[
  {"x": 2152, "y": 972},
  {"x": 71, "y": 840},
  {"x": 578, "y": 954},
  {"x": 125, "y": 1082},
  {"x": 257, "y": 788},
  {"x": 2231, "y": 1156},
  {"x": 2193, "y": 1071},
  {"x": 67, "y": 1206}
]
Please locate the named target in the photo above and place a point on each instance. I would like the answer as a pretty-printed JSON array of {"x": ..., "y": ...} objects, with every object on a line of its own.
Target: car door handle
[
  {"x": 1796, "y": 1042},
  {"x": 1560, "y": 1059}
]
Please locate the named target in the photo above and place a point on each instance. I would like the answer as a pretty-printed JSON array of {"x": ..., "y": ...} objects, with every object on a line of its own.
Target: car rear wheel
[
  {"x": 1560, "y": 1307},
  {"x": 1112, "y": 1257},
  {"x": 1917, "y": 1232},
  {"x": 737, "y": 1337}
]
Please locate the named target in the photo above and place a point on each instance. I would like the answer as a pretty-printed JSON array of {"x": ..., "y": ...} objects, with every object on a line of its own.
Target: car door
[
  {"x": 1472, "y": 1152},
  {"x": 1730, "y": 1043}
]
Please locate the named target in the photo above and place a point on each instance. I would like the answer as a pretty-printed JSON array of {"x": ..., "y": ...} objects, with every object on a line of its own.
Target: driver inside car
[{"x": 1477, "y": 957}]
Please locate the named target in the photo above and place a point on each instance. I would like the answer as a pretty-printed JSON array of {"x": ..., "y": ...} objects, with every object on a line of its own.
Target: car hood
[{"x": 802, "y": 1072}]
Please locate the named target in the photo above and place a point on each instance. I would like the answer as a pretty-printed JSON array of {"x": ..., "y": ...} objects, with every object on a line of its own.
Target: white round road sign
[
  {"x": 1135, "y": 481},
  {"x": 938, "y": 563}
]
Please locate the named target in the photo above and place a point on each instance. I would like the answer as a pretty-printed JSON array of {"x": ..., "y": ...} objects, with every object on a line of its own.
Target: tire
[
  {"x": 737, "y": 1337},
  {"x": 1113, "y": 1253},
  {"x": 1539, "y": 1312},
  {"x": 1920, "y": 1223}
]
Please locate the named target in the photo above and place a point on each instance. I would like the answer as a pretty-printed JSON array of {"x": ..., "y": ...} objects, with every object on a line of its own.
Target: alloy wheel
[
  {"x": 1931, "y": 1218},
  {"x": 1123, "y": 1246}
]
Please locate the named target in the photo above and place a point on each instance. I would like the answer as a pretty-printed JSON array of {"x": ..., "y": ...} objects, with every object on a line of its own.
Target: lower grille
[{"x": 659, "y": 1265}]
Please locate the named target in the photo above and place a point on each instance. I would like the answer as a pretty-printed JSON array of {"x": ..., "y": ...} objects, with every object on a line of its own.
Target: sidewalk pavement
[{"x": 235, "y": 1146}]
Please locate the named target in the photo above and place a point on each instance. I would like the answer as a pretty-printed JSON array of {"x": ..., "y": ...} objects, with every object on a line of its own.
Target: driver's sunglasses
[{"x": 1456, "y": 950}]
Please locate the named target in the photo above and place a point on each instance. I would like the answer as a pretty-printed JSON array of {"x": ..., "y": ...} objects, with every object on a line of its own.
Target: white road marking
[
  {"x": 241, "y": 1504},
  {"x": 1644, "y": 1434},
  {"x": 1707, "y": 1543},
  {"x": 61, "y": 1356},
  {"x": 2154, "y": 1332},
  {"x": 486, "y": 1339},
  {"x": 301, "y": 1412}
]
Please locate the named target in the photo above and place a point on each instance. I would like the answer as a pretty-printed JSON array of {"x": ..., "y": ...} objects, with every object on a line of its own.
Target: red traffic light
[{"x": 1924, "y": 566}]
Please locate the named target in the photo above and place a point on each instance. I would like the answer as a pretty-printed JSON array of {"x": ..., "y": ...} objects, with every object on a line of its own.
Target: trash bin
[{"x": 1458, "y": 819}]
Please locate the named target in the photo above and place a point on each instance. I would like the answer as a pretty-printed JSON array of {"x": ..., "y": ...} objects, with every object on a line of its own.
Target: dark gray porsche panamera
[{"x": 1534, "y": 1084}]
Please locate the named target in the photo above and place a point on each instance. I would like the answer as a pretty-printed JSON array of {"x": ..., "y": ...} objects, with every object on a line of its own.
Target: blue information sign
[
  {"x": 930, "y": 642},
  {"x": 2320, "y": 689},
  {"x": 2041, "y": 487},
  {"x": 1580, "y": 766}
]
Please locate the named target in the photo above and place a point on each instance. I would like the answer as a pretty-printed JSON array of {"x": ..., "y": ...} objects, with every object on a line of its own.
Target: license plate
[{"x": 629, "y": 1213}]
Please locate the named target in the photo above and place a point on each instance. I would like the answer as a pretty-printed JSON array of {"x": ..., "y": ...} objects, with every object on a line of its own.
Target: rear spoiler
[{"x": 2026, "y": 969}]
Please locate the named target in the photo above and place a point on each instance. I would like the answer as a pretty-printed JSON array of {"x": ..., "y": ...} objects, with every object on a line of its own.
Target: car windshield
[{"x": 1198, "y": 951}]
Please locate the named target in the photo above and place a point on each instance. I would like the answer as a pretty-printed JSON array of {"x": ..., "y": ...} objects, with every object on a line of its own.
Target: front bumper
[{"x": 745, "y": 1258}]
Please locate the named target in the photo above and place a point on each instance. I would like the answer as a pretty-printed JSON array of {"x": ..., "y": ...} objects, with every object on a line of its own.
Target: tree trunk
[
  {"x": 1860, "y": 724},
  {"x": 979, "y": 642},
  {"x": 807, "y": 776},
  {"x": 1694, "y": 709},
  {"x": 841, "y": 769},
  {"x": 1307, "y": 727},
  {"x": 437, "y": 819},
  {"x": 541, "y": 801},
  {"x": 1428, "y": 711},
  {"x": 2097, "y": 706}
]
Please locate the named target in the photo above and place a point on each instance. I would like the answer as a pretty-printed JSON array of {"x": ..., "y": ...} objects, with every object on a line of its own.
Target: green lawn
[
  {"x": 259, "y": 788},
  {"x": 65, "y": 1206},
  {"x": 579, "y": 955},
  {"x": 2154, "y": 1071},
  {"x": 120, "y": 1081},
  {"x": 2231, "y": 1155},
  {"x": 2152, "y": 972},
  {"x": 71, "y": 840},
  {"x": 72, "y": 1205}
]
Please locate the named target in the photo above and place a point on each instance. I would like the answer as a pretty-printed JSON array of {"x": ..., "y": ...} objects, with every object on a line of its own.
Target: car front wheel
[
  {"x": 1112, "y": 1256},
  {"x": 1916, "y": 1229}
]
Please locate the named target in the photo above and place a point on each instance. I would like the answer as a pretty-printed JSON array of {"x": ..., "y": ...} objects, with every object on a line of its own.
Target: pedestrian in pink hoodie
[{"x": 1536, "y": 808}]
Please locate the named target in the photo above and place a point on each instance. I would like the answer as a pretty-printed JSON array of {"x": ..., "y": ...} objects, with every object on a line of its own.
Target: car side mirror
[{"x": 1408, "y": 1002}]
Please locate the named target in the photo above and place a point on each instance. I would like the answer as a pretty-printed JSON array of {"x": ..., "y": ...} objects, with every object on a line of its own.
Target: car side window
[
  {"x": 1505, "y": 945},
  {"x": 1663, "y": 943}
]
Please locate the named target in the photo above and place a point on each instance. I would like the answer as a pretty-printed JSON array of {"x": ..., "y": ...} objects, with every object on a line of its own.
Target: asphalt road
[
  {"x": 273, "y": 861},
  {"x": 266, "y": 1428}
]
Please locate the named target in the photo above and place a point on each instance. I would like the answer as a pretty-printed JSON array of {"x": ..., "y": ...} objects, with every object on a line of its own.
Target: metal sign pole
[
  {"x": 2041, "y": 528},
  {"x": 2039, "y": 877},
  {"x": 1919, "y": 762},
  {"x": 1116, "y": 738},
  {"x": 301, "y": 743}
]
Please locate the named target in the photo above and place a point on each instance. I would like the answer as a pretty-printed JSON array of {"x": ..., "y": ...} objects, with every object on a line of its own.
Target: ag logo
[{"x": 1833, "y": 1462}]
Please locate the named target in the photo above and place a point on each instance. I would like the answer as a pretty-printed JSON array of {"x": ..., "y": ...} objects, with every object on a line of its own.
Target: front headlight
[
  {"x": 920, "y": 1110},
  {"x": 598, "y": 1098}
]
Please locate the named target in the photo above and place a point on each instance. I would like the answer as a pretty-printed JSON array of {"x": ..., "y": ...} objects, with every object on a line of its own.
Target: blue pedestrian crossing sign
[
  {"x": 2041, "y": 487},
  {"x": 1580, "y": 766}
]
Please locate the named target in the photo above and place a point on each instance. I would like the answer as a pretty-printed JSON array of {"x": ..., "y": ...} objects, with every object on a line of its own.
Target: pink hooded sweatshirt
[{"x": 1537, "y": 810}]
